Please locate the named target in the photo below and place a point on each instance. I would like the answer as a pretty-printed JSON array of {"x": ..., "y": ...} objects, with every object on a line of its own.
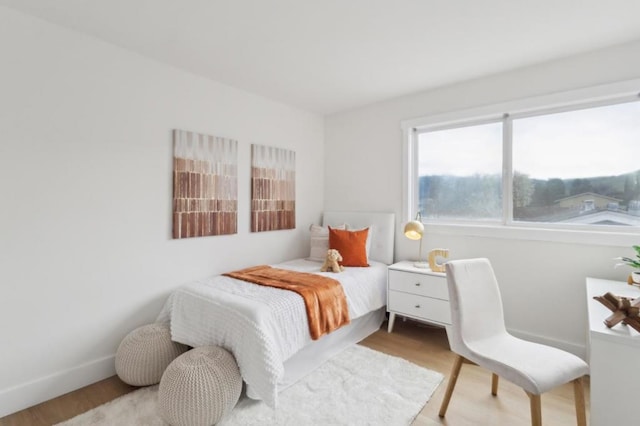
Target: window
[
  {"x": 578, "y": 166},
  {"x": 575, "y": 167},
  {"x": 459, "y": 173}
]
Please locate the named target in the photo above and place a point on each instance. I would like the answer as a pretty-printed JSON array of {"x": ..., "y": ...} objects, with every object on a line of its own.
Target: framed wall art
[
  {"x": 273, "y": 188},
  {"x": 205, "y": 185}
]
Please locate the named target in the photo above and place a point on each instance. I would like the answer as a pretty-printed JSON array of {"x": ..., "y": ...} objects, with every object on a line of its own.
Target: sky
[{"x": 602, "y": 141}]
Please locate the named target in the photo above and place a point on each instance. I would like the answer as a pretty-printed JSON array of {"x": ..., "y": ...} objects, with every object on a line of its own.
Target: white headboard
[{"x": 382, "y": 228}]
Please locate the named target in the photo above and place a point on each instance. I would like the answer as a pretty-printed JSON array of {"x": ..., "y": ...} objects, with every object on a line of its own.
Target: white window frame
[{"x": 507, "y": 227}]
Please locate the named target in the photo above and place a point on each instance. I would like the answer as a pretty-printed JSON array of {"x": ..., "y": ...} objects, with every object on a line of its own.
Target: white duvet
[{"x": 262, "y": 326}]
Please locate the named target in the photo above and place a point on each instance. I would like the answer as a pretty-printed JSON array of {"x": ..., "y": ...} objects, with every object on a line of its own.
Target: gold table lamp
[{"x": 414, "y": 230}]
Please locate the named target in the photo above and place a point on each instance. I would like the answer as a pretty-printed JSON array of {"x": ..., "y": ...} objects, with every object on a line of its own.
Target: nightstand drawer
[
  {"x": 419, "y": 307},
  {"x": 420, "y": 284}
]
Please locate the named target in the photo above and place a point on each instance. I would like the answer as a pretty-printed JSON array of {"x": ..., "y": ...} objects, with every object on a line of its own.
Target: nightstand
[{"x": 417, "y": 293}]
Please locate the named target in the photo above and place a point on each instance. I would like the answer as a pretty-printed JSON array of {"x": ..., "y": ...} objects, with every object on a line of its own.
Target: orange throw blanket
[{"x": 324, "y": 297}]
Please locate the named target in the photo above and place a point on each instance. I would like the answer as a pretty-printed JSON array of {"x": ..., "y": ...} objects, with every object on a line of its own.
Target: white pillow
[
  {"x": 368, "y": 243},
  {"x": 320, "y": 241}
]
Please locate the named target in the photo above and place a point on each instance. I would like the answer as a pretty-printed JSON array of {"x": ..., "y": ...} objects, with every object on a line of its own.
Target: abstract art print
[
  {"x": 205, "y": 185},
  {"x": 273, "y": 188}
]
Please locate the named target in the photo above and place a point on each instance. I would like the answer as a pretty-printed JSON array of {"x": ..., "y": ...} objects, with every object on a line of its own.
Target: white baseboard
[
  {"x": 576, "y": 349},
  {"x": 43, "y": 389}
]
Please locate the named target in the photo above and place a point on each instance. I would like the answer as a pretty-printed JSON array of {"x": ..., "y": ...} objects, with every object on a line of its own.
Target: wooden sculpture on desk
[
  {"x": 433, "y": 263},
  {"x": 625, "y": 310}
]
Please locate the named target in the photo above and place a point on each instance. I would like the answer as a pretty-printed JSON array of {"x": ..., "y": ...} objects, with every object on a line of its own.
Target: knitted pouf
[
  {"x": 200, "y": 387},
  {"x": 145, "y": 353}
]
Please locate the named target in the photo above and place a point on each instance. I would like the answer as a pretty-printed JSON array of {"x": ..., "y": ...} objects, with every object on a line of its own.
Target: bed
[{"x": 267, "y": 329}]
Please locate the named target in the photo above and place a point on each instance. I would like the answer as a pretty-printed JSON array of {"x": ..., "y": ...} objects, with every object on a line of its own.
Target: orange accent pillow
[{"x": 352, "y": 245}]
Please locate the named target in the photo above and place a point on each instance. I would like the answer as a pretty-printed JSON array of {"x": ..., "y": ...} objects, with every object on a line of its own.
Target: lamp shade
[{"x": 414, "y": 230}]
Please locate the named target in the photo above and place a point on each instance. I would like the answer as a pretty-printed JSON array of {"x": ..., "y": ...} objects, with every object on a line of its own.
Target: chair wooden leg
[
  {"x": 536, "y": 409},
  {"x": 494, "y": 384},
  {"x": 578, "y": 393},
  {"x": 455, "y": 371}
]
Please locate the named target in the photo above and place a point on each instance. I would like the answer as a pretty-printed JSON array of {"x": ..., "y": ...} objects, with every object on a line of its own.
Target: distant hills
[{"x": 480, "y": 196}]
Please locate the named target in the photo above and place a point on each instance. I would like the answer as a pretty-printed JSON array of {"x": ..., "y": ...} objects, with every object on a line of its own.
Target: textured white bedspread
[{"x": 262, "y": 326}]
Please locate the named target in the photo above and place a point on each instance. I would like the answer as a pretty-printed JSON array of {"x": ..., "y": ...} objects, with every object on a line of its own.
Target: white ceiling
[{"x": 326, "y": 56}]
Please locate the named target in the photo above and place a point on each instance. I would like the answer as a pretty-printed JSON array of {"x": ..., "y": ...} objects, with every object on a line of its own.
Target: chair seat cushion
[{"x": 534, "y": 367}]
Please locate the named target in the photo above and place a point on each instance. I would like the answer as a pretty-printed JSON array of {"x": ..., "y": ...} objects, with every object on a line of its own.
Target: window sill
[{"x": 549, "y": 234}]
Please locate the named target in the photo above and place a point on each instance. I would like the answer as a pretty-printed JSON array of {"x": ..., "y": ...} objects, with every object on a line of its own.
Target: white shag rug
[{"x": 359, "y": 386}]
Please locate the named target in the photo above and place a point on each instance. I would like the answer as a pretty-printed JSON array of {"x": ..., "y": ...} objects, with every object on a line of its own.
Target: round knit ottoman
[
  {"x": 200, "y": 387},
  {"x": 145, "y": 353}
]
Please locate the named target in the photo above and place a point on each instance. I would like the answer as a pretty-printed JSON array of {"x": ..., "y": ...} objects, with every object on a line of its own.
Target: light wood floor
[{"x": 471, "y": 403}]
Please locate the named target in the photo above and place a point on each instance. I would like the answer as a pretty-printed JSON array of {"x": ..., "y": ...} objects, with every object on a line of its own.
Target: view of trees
[{"x": 480, "y": 196}]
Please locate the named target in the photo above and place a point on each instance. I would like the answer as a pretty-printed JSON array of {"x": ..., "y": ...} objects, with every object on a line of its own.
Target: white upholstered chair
[{"x": 478, "y": 335}]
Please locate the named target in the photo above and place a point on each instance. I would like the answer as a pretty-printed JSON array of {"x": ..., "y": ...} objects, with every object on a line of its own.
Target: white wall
[
  {"x": 85, "y": 218},
  {"x": 542, "y": 282}
]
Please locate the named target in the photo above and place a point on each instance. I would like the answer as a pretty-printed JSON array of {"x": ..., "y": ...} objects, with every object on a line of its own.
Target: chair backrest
[{"x": 476, "y": 305}]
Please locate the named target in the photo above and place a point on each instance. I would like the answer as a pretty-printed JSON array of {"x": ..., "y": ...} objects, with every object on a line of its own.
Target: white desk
[{"x": 614, "y": 359}]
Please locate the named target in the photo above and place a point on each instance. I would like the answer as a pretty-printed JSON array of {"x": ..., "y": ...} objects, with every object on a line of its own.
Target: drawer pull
[
  {"x": 417, "y": 284},
  {"x": 418, "y": 306}
]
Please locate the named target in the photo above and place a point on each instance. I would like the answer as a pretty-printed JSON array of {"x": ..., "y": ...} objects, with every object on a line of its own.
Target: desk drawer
[
  {"x": 420, "y": 284},
  {"x": 419, "y": 307}
]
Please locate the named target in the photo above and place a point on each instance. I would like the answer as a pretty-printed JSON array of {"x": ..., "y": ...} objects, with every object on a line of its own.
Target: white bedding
[{"x": 262, "y": 326}]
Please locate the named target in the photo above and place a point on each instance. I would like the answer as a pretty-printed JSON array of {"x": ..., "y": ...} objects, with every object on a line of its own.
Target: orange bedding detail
[{"x": 324, "y": 297}]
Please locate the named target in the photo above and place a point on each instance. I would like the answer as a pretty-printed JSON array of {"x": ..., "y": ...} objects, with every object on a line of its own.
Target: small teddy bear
[{"x": 331, "y": 262}]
